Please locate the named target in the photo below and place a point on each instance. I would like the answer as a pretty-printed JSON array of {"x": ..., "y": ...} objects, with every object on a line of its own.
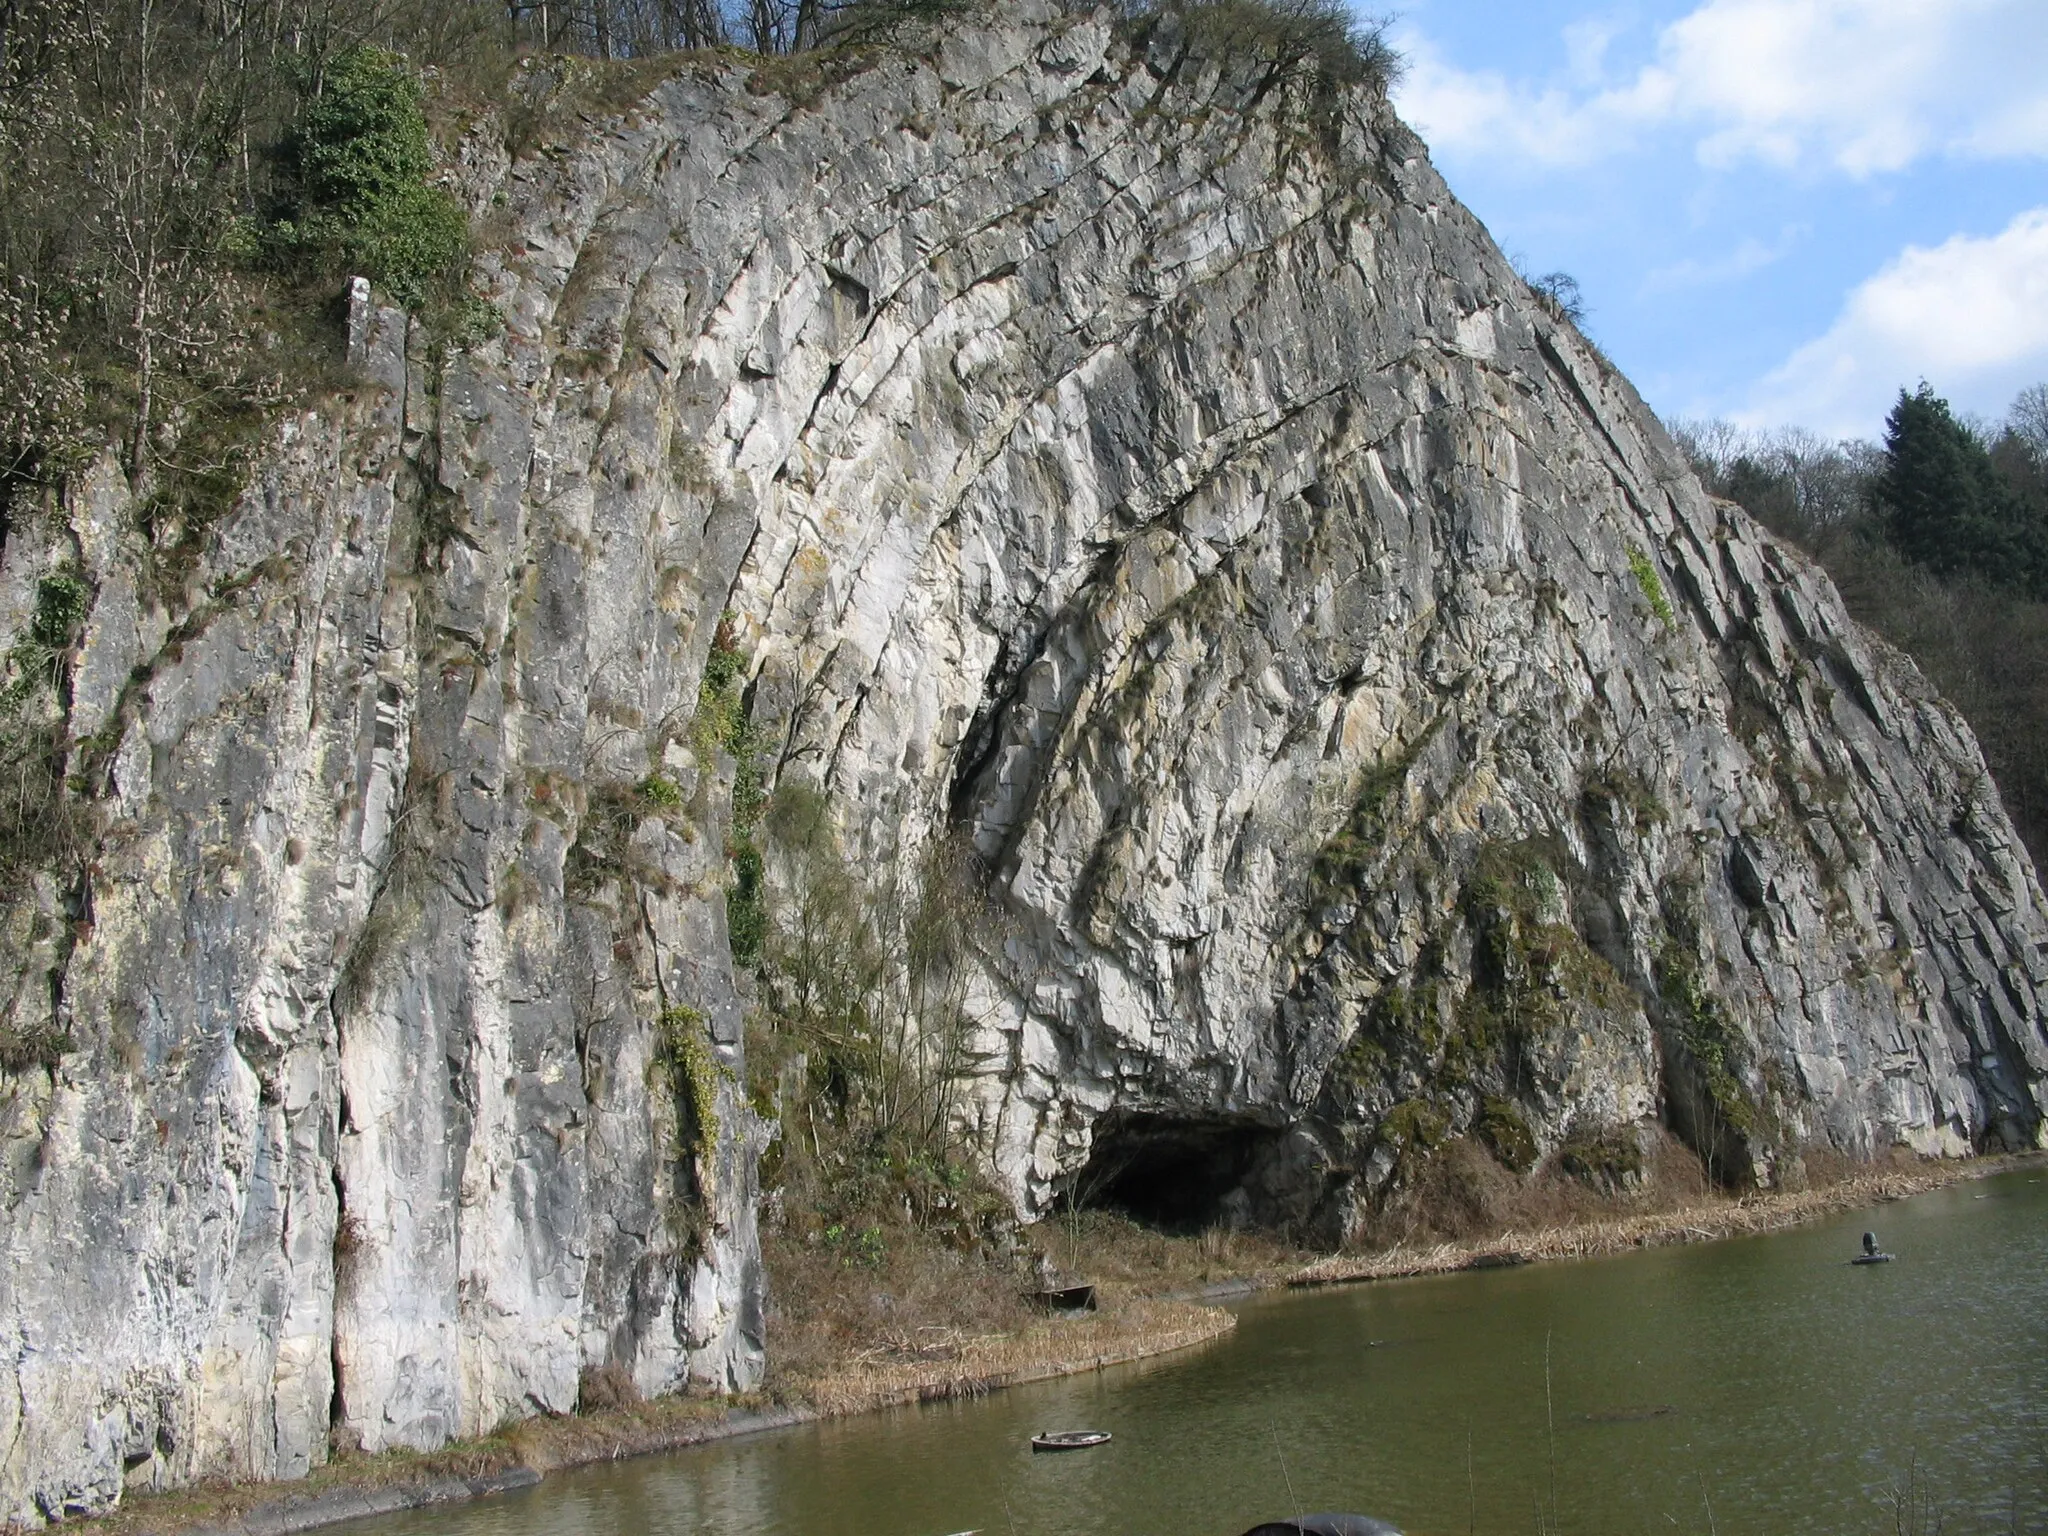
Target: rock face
[{"x": 1135, "y": 465}]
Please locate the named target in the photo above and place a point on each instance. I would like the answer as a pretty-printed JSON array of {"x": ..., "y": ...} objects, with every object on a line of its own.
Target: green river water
[{"x": 1758, "y": 1385}]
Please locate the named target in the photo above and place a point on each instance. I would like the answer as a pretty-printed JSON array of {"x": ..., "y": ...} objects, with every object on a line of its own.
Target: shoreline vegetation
[
  {"x": 1158, "y": 1296},
  {"x": 1708, "y": 1219}
]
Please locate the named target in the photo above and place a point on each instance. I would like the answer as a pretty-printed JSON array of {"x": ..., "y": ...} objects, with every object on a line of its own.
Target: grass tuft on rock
[{"x": 1651, "y": 585}]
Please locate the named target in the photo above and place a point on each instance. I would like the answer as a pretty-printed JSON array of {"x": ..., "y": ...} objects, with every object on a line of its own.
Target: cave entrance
[{"x": 1168, "y": 1171}]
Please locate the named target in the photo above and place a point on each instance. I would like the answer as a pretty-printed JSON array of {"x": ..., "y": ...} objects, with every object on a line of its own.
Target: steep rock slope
[{"x": 1135, "y": 465}]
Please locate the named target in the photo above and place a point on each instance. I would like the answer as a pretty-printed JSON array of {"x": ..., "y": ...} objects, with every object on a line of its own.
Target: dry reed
[
  {"x": 1702, "y": 1220},
  {"x": 1134, "y": 1329}
]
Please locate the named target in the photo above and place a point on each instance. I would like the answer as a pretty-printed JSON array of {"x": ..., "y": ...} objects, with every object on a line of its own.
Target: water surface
[{"x": 1758, "y": 1385}]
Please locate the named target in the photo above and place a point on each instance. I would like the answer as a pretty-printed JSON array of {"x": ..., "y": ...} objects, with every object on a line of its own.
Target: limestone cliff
[{"x": 1111, "y": 455}]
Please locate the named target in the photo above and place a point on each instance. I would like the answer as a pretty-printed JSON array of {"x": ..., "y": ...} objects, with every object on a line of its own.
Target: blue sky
[{"x": 1780, "y": 211}]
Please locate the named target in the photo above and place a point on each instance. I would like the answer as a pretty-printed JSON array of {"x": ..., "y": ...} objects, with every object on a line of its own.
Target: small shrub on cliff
[
  {"x": 1506, "y": 1133},
  {"x": 1605, "y": 1158},
  {"x": 1319, "y": 41},
  {"x": 1624, "y": 790},
  {"x": 1652, "y": 586},
  {"x": 43, "y": 1045},
  {"x": 1559, "y": 293},
  {"x": 661, "y": 792},
  {"x": 42, "y": 824},
  {"x": 37, "y": 660}
]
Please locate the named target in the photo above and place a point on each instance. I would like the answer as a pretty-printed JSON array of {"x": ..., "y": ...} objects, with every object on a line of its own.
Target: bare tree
[
  {"x": 871, "y": 978},
  {"x": 153, "y": 160},
  {"x": 2027, "y": 421}
]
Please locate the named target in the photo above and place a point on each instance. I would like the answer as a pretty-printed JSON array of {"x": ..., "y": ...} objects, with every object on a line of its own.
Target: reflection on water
[{"x": 1760, "y": 1385}]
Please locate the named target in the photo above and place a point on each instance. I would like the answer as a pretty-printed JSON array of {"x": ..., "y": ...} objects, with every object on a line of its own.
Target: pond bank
[
  {"x": 1695, "y": 1222},
  {"x": 1131, "y": 1327},
  {"x": 1135, "y": 1328}
]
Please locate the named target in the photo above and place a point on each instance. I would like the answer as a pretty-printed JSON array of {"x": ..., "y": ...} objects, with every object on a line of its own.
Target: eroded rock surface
[{"x": 1146, "y": 473}]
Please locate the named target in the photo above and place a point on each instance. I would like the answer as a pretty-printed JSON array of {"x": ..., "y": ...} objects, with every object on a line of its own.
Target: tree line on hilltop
[
  {"x": 1937, "y": 539},
  {"x": 184, "y": 182}
]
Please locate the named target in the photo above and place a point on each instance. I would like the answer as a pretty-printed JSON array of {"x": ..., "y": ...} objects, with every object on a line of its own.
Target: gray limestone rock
[{"x": 1368, "y": 729}]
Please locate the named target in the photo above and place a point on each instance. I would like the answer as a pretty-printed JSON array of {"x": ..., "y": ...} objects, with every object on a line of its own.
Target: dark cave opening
[{"x": 1168, "y": 1171}]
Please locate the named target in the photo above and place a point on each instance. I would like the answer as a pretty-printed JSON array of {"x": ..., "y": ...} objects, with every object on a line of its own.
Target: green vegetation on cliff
[
  {"x": 1938, "y": 539},
  {"x": 354, "y": 193},
  {"x": 182, "y": 185},
  {"x": 181, "y": 188}
]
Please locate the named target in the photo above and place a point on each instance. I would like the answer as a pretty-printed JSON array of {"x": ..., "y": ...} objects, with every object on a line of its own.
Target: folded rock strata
[{"x": 1118, "y": 460}]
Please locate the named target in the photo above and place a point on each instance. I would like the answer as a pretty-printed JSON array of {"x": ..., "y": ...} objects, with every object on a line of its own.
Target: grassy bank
[
  {"x": 866, "y": 1326},
  {"x": 932, "y": 1365},
  {"x": 1701, "y": 1219}
]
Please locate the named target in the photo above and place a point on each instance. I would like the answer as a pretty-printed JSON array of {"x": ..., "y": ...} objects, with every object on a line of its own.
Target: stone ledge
[{"x": 312, "y": 1511}]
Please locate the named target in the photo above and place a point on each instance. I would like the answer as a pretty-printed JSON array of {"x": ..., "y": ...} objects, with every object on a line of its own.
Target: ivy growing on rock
[
  {"x": 692, "y": 1073},
  {"x": 357, "y": 196},
  {"x": 693, "y": 1081},
  {"x": 722, "y": 725}
]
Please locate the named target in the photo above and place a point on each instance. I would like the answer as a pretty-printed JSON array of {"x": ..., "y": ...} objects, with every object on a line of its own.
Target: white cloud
[
  {"x": 1970, "y": 316},
  {"x": 1752, "y": 255},
  {"x": 1863, "y": 86},
  {"x": 1586, "y": 43},
  {"x": 1482, "y": 111}
]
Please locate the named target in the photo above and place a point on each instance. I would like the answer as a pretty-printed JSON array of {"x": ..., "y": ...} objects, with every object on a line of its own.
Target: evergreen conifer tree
[{"x": 1943, "y": 504}]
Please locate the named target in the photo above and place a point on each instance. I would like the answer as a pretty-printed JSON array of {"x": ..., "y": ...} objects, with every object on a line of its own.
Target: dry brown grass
[
  {"x": 1464, "y": 1194},
  {"x": 1701, "y": 1219},
  {"x": 970, "y": 1366},
  {"x": 1124, "y": 1257},
  {"x": 877, "y": 1294},
  {"x": 891, "y": 1314}
]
